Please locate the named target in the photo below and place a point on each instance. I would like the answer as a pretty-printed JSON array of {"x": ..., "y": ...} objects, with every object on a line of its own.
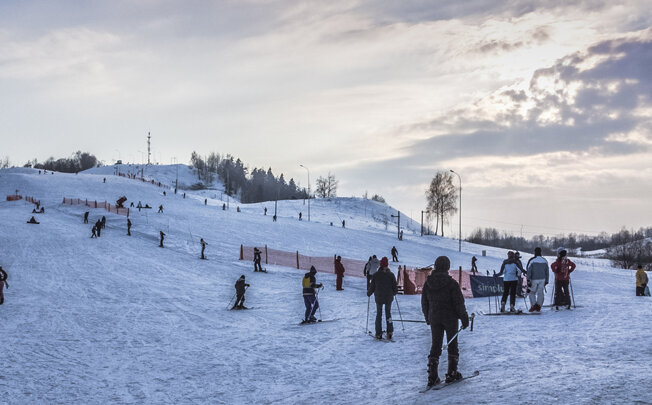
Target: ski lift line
[{"x": 531, "y": 226}]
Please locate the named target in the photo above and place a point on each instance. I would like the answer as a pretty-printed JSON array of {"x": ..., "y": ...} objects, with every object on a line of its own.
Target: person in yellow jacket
[{"x": 641, "y": 281}]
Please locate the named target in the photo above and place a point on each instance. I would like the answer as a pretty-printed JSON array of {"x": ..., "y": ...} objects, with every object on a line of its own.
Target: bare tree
[
  {"x": 326, "y": 186},
  {"x": 4, "y": 163},
  {"x": 441, "y": 196}
]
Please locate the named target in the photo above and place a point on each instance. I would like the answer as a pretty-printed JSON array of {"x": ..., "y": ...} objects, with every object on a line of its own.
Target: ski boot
[
  {"x": 502, "y": 306},
  {"x": 242, "y": 307},
  {"x": 312, "y": 319},
  {"x": 453, "y": 374},
  {"x": 379, "y": 336},
  {"x": 433, "y": 377},
  {"x": 389, "y": 335},
  {"x": 512, "y": 309}
]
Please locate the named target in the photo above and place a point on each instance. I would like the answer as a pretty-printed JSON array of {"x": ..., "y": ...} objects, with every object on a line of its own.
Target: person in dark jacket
[
  {"x": 383, "y": 286},
  {"x": 94, "y": 230},
  {"x": 103, "y": 222},
  {"x": 203, "y": 247},
  {"x": 240, "y": 288},
  {"x": 474, "y": 267},
  {"x": 3, "y": 283},
  {"x": 98, "y": 228},
  {"x": 86, "y": 217},
  {"x": 128, "y": 227},
  {"x": 32, "y": 220},
  {"x": 162, "y": 238},
  {"x": 562, "y": 267},
  {"x": 257, "y": 260},
  {"x": 394, "y": 254},
  {"x": 339, "y": 271},
  {"x": 309, "y": 284},
  {"x": 442, "y": 304},
  {"x": 160, "y": 209}
]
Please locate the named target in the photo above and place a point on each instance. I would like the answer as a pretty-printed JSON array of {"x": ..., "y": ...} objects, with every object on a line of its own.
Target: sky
[{"x": 543, "y": 108}]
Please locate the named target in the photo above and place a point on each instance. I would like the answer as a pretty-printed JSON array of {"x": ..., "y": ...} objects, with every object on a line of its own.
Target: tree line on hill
[
  {"x": 79, "y": 161},
  {"x": 626, "y": 248}
]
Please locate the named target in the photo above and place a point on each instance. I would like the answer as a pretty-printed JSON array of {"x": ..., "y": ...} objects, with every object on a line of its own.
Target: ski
[
  {"x": 240, "y": 309},
  {"x": 317, "y": 321},
  {"x": 380, "y": 340},
  {"x": 445, "y": 384},
  {"x": 509, "y": 313}
]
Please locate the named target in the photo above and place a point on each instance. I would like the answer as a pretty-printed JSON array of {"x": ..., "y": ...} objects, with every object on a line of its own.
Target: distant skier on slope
[
  {"x": 160, "y": 209},
  {"x": 641, "y": 281},
  {"x": 103, "y": 222},
  {"x": 383, "y": 286},
  {"x": 537, "y": 278},
  {"x": 240, "y": 288},
  {"x": 86, "y": 217},
  {"x": 474, "y": 267},
  {"x": 562, "y": 267},
  {"x": 519, "y": 284},
  {"x": 394, "y": 254},
  {"x": 203, "y": 247},
  {"x": 94, "y": 230},
  {"x": 442, "y": 304},
  {"x": 3, "y": 283},
  {"x": 257, "y": 260},
  {"x": 33, "y": 220},
  {"x": 339, "y": 271},
  {"x": 162, "y": 238},
  {"x": 128, "y": 227},
  {"x": 309, "y": 284},
  {"x": 98, "y": 228},
  {"x": 511, "y": 269}
]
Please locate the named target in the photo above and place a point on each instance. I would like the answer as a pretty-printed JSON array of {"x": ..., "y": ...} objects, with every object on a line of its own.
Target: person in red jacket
[
  {"x": 339, "y": 270},
  {"x": 562, "y": 267}
]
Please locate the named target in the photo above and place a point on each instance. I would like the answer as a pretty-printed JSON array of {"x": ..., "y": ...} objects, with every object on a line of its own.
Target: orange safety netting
[
  {"x": 94, "y": 204},
  {"x": 414, "y": 279},
  {"x": 14, "y": 197}
]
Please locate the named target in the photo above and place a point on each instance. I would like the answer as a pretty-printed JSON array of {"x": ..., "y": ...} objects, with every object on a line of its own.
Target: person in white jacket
[
  {"x": 537, "y": 278},
  {"x": 511, "y": 269}
]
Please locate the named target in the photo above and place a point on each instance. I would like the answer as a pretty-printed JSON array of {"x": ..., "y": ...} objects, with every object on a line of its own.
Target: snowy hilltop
[{"x": 117, "y": 319}]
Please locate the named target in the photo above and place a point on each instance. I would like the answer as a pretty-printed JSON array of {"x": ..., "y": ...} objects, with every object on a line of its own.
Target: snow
[{"x": 120, "y": 320}]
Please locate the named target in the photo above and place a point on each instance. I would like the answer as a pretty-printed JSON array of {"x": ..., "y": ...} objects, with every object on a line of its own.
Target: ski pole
[
  {"x": 318, "y": 306},
  {"x": 472, "y": 318},
  {"x": 453, "y": 338},
  {"x": 570, "y": 282},
  {"x": 399, "y": 314},
  {"x": 368, "y": 301},
  {"x": 229, "y": 304}
]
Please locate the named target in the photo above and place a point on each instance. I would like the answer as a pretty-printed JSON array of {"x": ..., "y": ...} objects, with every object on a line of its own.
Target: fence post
[
  {"x": 459, "y": 277},
  {"x": 127, "y": 212},
  {"x": 298, "y": 259},
  {"x": 266, "y": 255},
  {"x": 95, "y": 203},
  {"x": 241, "y": 252}
]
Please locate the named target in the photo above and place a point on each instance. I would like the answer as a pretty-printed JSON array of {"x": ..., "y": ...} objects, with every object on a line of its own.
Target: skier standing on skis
[
  {"x": 537, "y": 279},
  {"x": 383, "y": 286},
  {"x": 394, "y": 254},
  {"x": 162, "y": 238},
  {"x": 474, "y": 267},
  {"x": 339, "y": 271},
  {"x": 562, "y": 267},
  {"x": 240, "y": 288},
  {"x": 86, "y": 217},
  {"x": 519, "y": 285},
  {"x": 257, "y": 259},
  {"x": 372, "y": 268},
  {"x": 511, "y": 269},
  {"x": 3, "y": 283},
  {"x": 309, "y": 284},
  {"x": 442, "y": 304},
  {"x": 128, "y": 227},
  {"x": 641, "y": 281},
  {"x": 203, "y": 247}
]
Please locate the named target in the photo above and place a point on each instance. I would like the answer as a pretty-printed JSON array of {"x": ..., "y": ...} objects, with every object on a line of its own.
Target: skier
[
  {"x": 160, "y": 209},
  {"x": 339, "y": 271},
  {"x": 562, "y": 267},
  {"x": 343, "y": 224},
  {"x": 203, "y": 247},
  {"x": 383, "y": 286},
  {"x": 442, "y": 304},
  {"x": 641, "y": 281},
  {"x": 537, "y": 279},
  {"x": 394, "y": 254},
  {"x": 510, "y": 269},
  {"x": 300, "y": 215},
  {"x": 98, "y": 227},
  {"x": 94, "y": 230},
  {"x": 265, "y": 211},
  {"x": 223, "y": 206},
  {"x": 257, "y": 260},
  {"x": 309, "y": 284},
  {"x": 33, "y": 220},
  {"x": 274, "y": 218},
  {"x": 205, "y": 201},
  {"x": 184, "y": 195},
  {"x": 519, "y": 285},
  {"x": 372, "y": 268},
  {"x": 105, "y": 180},
  {"x": 474, "y": 268},
  {"x": 139, "y": 206},
  {"x": 164, "y": 194},
  {"x": 240, "y": 288},
  {"x": 103, "y": 222},
  {"x": 237, "y": 209},
  {"x": 162, "y": 238},
  {"x": 3, "y": 283},
  {"x": 86, "y": 217},
  {"x": 128, "y": 227}
]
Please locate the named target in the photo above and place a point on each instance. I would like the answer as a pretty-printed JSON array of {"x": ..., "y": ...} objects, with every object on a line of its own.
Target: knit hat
[
  {"x": 561, "y": 252},
  {"x": 384, "y": 262},
  {"x": 537, "y": 251},
  {"x": 313, "y": 269},
  {"x": 242, "y": 276},
  {"x": 442, "y": 263}
]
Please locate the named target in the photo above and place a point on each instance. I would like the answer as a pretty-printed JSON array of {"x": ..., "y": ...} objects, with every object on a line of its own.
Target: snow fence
[{"x": 94, "y": 204}]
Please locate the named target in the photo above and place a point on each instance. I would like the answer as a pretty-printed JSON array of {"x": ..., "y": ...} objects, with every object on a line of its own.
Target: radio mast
[{"x": 148, "y": 148}]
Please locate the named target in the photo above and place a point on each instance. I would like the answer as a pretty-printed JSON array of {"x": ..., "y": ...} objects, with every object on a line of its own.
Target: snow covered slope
[{"x": 120, "y": 320}]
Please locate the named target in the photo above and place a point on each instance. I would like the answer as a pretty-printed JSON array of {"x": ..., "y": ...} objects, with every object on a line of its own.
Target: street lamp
[
  {"x": 308, "y": 190},
  {"x": 460, "y": 235}
]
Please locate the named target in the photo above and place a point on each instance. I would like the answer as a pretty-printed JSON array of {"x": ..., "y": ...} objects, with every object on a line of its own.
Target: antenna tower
[{"x": 148, "y": 148}]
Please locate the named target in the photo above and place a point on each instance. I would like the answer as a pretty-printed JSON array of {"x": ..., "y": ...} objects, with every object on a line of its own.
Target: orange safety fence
[
  {"x": 14, "y": 197},
  {"x": 352, "y": 267},
  {"x": 95, "y": 204},
  {"x": 414, "y": 279},
  {"x": 32, "y": 200}
]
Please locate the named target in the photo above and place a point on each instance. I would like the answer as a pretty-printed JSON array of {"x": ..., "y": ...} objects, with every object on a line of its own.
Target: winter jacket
[
  {"x": 374, "y": 264},
  {"x": 562, "y": 267},
  {"x": 442, "y": 300},
  {"x": 240, "y": 286},
  {"x": 537, "y": 269},
  {"x": 383, "y": 286},
  {"x": 511, "y": 268},
  {"x": 309, "y": 284},
  {"x": 641, "y": 278},
  {"x": 339, "y": 268}
]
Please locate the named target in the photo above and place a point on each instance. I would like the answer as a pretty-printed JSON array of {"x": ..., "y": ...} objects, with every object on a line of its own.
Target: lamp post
[
  {"x": 460, "y": 235},
  {"x": 176, "y": 183},
  {"x": 308, "y": 190},
  {"x": 398, "y": 230}
]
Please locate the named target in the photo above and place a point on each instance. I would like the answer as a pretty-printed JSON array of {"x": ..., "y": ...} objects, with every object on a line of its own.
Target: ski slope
[{"x": 120, "y": 320}]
